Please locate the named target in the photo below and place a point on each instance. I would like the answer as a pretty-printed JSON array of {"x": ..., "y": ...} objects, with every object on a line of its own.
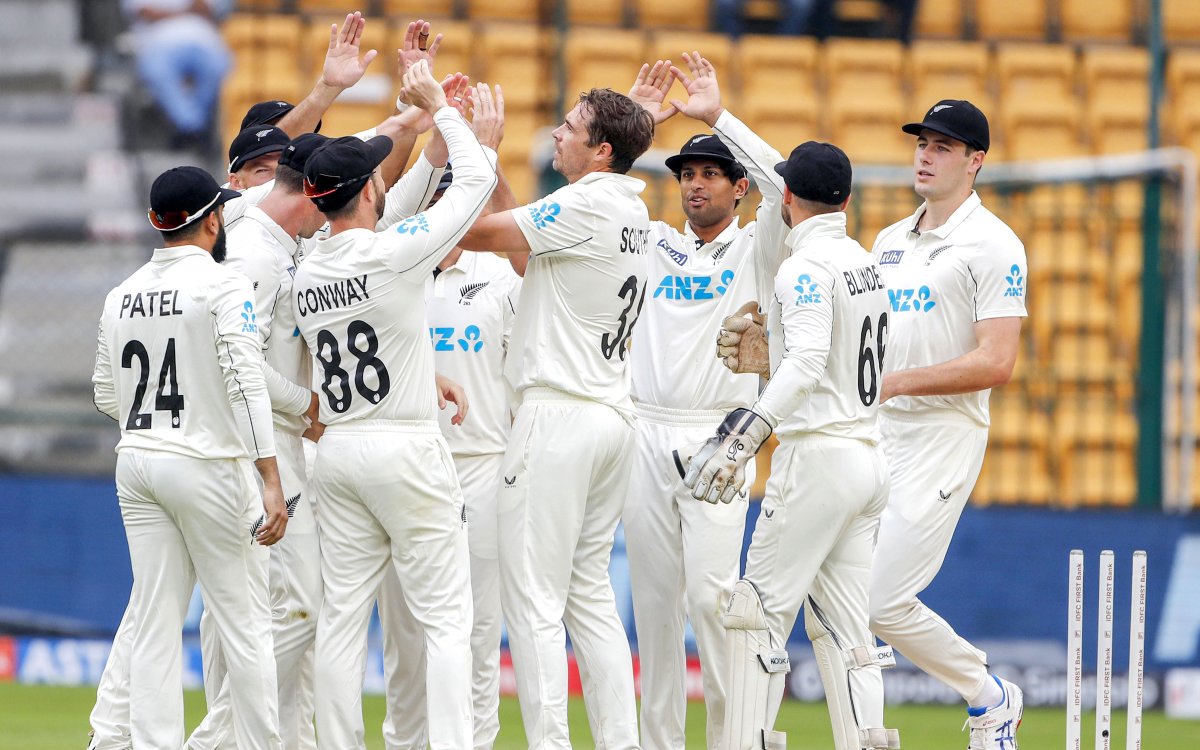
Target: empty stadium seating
[
  {"x": 949, "y": 70},
  {"x": 1006, "y": 19},
  {"x": 939, "y": 19},
  {"x": 1098, "y": 20}
]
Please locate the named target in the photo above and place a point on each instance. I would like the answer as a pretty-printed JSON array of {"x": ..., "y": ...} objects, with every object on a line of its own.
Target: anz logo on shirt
[
  {"x": 450, "y": 339},
  {"x": 413, "y": 224},
  {"x": 1016, "y": 282},
  {"x": 693, "y": 287},
  {"x": 544, "y": 213},
  {"x": 808, "y": 291},
  {"x": 249, "y": 319},
  {"x": 911, "y": 300}
]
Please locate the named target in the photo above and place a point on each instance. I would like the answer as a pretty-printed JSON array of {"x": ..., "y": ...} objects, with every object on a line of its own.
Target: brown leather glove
[{"x": 742, "y": 342}]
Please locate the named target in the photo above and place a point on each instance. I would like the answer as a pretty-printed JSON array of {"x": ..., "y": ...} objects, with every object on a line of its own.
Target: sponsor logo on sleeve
[
  {"x": 249, "y": 319},
  {"x": 808, "y": 292},
  {"x": 1016, "y": 282},
  {"x": 544, "y": 213},
  {"x": 413, "y": 224}
]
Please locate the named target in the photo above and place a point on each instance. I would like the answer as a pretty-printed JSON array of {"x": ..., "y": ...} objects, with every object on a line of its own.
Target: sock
[{"x": 989, "y": 697}]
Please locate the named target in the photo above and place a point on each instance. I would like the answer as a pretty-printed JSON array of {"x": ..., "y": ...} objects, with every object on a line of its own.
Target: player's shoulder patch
[
  {"x": 890, "y": 257},
  {"x": 544, "y": 213}
]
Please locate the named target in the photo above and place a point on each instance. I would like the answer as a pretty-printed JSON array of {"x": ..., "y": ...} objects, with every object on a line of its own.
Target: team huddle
[{"x": 400, "y": 388}]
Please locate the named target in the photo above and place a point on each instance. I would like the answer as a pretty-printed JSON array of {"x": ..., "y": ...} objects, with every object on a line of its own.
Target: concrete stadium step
[{"x": 42, "y": 23}]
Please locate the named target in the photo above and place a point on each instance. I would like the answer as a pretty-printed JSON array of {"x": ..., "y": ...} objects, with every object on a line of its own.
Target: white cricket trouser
[
  {"x": 387, "y": 491},
  {"x": 189, "y": 519},
  {"x": 295, "y": 579},
  {"x": 678, "y": 547},
  {"x": 404, "y": 667},
  {"x": 934, "y": 466},
  {"x": 561, "y": 495},
  {"x": 110, "y": 716},
  {"x": 814, "y": 542}
]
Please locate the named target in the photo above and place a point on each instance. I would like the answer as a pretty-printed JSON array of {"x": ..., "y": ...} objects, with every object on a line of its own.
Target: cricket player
[
  {"x": 828, "y": 319},
  {"x": 470, "y": 301},
  {"x": 383, "y": 477},
  {"x": 265, "y": 248},
  {"x": 178, "y": 364},
  {"x": 254, "y": 154},
  {"x": 684, "y": 556},
  {"x": 566, "y": 467},
  {"x": 956, "y": 280}
]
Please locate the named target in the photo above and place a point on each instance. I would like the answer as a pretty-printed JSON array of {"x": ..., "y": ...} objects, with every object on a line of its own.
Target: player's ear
[
  {"x": 604, "y": 152},
  {"x": 741, "y": 187},
  {"x": 235, "y": 183}
]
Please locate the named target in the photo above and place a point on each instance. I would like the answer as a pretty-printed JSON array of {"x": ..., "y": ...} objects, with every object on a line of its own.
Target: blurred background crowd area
[{"x": 1102, "y": 409}]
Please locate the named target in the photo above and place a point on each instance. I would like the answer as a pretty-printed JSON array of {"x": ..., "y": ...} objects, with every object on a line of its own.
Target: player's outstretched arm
[{"x": 342, "y": 69}]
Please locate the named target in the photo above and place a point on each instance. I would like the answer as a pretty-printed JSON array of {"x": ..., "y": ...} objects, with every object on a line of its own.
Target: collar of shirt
[
  {"x": 726, "y": 236},
  {"x": 336, "y": 242},
  {"x": 286, "y": 241},
  {"x": 624, "y": 182},
  {"x": 960, "y": 214},
  {"x": 167, "y": 254},
  {"x": 464, "y": 265},
  {"x": 832, "y": 225}
]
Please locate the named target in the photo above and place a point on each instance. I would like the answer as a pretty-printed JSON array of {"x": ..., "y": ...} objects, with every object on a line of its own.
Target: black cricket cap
[
  {"x": 958, "y": 119},
  {"x": 254, "y": 142},
  {"x": 269, "y": 113},
  {"x": 183, "y": 195},
  {"x": 296, "y": 153},
  {"x": 701, "y": 146},
  {"x": 817, "y": 172},
  {"x": 337, "y": 171}
]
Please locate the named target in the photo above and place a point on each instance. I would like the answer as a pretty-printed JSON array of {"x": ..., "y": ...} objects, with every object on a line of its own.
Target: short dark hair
[
  {"x": 620, "y": 122},
  {"x": 345, "y": 210},
  {"x": 291, "y": 179}
]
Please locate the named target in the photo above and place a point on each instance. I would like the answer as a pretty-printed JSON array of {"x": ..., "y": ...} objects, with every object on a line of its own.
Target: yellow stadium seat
[
  {"x": 772, "y": 64},
  {"x": 1044, "y": 129},
  {"x": 671, "y": 15},
  {"x": 602, "y": 58},
  {"x": 504, "y": 10},
  {"x": 717, "y": 49},
  {"x": 866, "y": 70},
  {"x": 377, "y": 36},
  {"x": 323, "y": 6},
  {"x": 1005, "y": 19},
  {"x": 1117, "y": 74},
  {"x": 1064, "y": 252},
  {"x": 1181, "y": 20},
  {"x": 1014, "y": 474},
  {"x": 598, "y": 12},
  {"x": 781, "y": 122},
  {"x": 1068, "y": 304},
  {"x": 949, "y": 70},
  {"x": 1097, "y": 20},
  {"x": 939, "y": 19},
  {"x": 1101, "y": 476},
  {"x": 346, "y": 118},
  {"x": 1035, "y": 72},
  {"x": 869, "y": 132},
  {"x": 510, "y": 54},
  {"x": 1183, "y": 95},
  {"x": 403, "y": 11}
]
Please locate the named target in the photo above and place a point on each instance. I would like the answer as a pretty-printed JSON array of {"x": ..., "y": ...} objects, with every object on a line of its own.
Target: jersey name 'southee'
[
  {"x": 158, "y": 304},
  {"x": 332, "y": 296}
]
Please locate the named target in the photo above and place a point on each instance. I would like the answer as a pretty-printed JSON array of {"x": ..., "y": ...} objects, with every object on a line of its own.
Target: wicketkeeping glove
[
  {"x": 718, "y": 470},
  {"x": 742, "y": 342}
]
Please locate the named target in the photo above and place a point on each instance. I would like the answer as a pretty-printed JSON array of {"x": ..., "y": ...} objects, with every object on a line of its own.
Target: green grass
[{"x": 52, "y": 718}]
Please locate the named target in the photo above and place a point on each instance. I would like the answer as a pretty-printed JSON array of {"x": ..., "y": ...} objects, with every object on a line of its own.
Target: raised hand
[
  {"x": 704, "y": 95},
  {"x": 488, "y": 122},
  {"x": 343, "y": 68},
  {"x": 420, "y": 88},
  {"x": 651, "y": 87},
  {"x": 417, "y": 46},
  {"x": 457, "y": 88}
]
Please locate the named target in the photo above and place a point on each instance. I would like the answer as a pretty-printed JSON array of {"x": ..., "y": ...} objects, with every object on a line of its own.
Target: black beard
[{"x": 218, "y": 251}]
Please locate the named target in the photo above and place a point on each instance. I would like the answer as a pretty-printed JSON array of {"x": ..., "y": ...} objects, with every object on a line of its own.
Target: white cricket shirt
[
  {"x": 828, "y": 321},
  {"x": 266, "y": 254},
  {"x": 359, "y": 297},
  {"x": 178, "y": 363},
  {"x": 940, "y": 283},
  {"x": 694, "y": 286},
  {"x": 583, "y": 290},
  {"x": 471, "y": 306},
  {"x": 234, "y": 210}
]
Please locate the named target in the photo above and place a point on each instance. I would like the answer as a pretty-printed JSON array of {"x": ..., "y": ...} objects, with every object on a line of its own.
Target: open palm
[
  {"x": 700, "y": 82},
  {"x": 343, "y": 67}
]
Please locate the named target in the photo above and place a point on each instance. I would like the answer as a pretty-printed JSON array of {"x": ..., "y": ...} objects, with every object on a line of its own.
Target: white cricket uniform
[
  {"x": 267, "y": 255},
  {"x": 234, "y": 210},
  {"x": 940, "y": 283},
  {"x": 470, "y": 306},
  {"x": 684, "y": 555},
  {"x": 567, "y": 464},
  {"x": 383, "y": 477},
  {"x": 178, "y": 366},
  {"x": 828, "y": 484}
]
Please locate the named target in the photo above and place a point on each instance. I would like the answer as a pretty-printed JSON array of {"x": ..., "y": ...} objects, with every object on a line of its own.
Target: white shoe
[{"x": 995, "y": 728}]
